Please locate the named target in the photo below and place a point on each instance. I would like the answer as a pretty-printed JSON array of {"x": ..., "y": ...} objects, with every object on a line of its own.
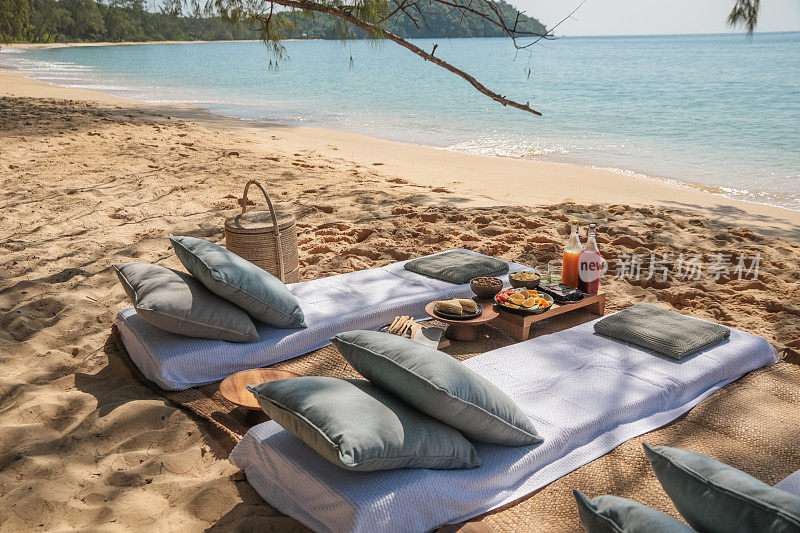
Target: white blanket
[
  {"x": 366, "y": 299},
  {"x": 585, "y": 393},
  {"x": 790, "y": 484}
]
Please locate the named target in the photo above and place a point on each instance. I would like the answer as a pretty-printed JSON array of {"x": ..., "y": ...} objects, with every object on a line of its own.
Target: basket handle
[{"x": 278, "y": 248}]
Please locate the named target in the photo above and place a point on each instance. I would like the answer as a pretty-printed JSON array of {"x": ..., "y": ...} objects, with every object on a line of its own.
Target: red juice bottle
[{"x": 590, "y": 264}]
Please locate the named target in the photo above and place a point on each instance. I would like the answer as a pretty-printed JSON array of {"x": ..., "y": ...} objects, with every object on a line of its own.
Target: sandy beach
[{"x": 90, "y": 180}]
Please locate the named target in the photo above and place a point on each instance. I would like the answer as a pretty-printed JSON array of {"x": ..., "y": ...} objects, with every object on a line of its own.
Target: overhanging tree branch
[
  {"x": 745, "y": 13},
  {"x": 377, "y": 30},
  {"x": 370, "y": 15}
]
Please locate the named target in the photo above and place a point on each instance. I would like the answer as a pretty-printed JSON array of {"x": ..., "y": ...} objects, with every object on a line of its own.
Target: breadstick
[{"x": 399, "y": 325}]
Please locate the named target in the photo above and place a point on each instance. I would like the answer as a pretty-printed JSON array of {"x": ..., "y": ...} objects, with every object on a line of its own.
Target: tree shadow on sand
[
  {"x": 770, "y": 226},
  {"x": 43, "y": 117},
  {"x": 118, "y": 383},
  {"x": 253, "y": 514}
]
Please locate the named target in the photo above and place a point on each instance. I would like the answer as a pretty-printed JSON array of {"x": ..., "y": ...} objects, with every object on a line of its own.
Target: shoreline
[
  {"x": 739, "y": 195},
  {"x": 45, "y": 46},
  {"x": 477, "y": 180},
  {"x": 620, "y": 170}
]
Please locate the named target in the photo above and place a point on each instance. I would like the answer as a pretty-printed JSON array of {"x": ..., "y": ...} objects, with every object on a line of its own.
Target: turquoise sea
[{"x": 719, "y": 111}]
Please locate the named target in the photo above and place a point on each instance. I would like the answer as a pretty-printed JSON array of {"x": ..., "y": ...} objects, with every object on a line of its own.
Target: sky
[{"x": 653, "y": 17}]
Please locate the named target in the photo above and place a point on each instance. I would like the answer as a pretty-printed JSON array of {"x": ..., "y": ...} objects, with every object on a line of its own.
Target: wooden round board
[
  {"x": 234, "y": 387},
  {"x": 463, "y": 329}
]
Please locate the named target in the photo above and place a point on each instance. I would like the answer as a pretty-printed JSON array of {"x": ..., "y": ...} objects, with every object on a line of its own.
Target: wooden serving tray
[{"x": 520, "y": 326}]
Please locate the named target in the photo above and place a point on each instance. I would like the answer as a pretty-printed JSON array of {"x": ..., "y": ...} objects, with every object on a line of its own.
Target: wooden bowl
[
  {"x": 486, "y": 291},
  {"x": 524, "y": 284}
]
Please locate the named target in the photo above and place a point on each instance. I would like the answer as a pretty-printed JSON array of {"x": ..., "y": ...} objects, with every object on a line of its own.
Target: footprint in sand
[
  {"x": 30, "y": 318},
  {"x": 318, "y": 250},
  {"x": 331, "y": 239},
  {"x": 493, "y": 230},
  {"x": 363, "y": 252},
  {"x": 363, "y": 234},
  {"x": 402, "y": 210},
  {"x": 434, "y": 239},
  {"x": 631, "y": 242}
]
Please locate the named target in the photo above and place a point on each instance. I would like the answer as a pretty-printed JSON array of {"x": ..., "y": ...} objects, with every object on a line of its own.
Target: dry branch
[{"x": 375, "y": 29}]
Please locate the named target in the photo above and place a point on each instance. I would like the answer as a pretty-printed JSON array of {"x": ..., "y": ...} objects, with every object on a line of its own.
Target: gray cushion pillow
[
  {"x": 666, "y": 332},
  {"x": 457, "y": 267},
  {"x": 176, "y": 302},
  {"x": 357, "y": 426},
  {"x": 438, "y": 385},
  {"x": 238, "y": 280},
  {"x": 612, "y": 514},
  {"x": 714, "y": 497}
]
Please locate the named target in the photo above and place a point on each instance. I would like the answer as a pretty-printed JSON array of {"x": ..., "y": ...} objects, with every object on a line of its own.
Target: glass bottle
[
  {"x": 590, "y": 264},
  {"x": 572, "y": 254}
]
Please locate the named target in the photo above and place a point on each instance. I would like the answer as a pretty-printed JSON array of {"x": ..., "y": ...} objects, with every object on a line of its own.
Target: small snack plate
[
  {"x": 462, "y": 316},
  {"x": 556, "y": 290}
]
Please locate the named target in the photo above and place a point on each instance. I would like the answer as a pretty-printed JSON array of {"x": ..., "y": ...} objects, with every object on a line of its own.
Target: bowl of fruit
[
  {"x": 523, "y": 301},
  {"x": 524, "y": 279}
]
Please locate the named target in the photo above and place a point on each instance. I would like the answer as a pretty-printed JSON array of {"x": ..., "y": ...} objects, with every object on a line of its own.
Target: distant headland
[{"x": 86, "y": 21}]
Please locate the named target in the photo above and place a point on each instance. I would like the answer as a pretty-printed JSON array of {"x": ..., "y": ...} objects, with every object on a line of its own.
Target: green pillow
[
  {"x": 612, "y": 514},
  {"x": 239, "y": 281},
  {"x": 714, "y": 497},
  {"x": 457, "y": 267},
  {"x": 437, "y": 385},
  {"x": 176, "y": 302},
  {"x": 357, "y": 426},
  {"x": 665, "y": 332}
]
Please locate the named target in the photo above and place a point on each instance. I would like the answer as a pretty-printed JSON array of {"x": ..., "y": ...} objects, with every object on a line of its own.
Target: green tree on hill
[
  {"x": 129, "y": 20},
  {"x": 87, "y": 20},
  {"x": 14, "y": 17},
  {"x": 48, "y": 20}
]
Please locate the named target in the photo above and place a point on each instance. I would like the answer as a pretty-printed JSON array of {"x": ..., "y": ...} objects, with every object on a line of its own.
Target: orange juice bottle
[{"x": 572, "y": 255}]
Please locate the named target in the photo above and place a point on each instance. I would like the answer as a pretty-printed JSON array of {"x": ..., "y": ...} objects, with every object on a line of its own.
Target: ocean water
[{"x": 721, "y": 112}]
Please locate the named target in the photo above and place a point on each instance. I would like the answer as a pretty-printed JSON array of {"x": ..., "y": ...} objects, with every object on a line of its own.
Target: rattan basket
[{"x": 265, "y": 238}]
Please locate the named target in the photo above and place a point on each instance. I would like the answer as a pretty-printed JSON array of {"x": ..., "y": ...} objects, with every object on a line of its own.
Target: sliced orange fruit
[
  {"x": 517, "y": 299},
  {"x": 529, "y": 302}
]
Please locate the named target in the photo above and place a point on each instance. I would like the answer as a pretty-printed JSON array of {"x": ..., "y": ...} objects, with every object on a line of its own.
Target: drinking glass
[{"x": 554, "y": 269}]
